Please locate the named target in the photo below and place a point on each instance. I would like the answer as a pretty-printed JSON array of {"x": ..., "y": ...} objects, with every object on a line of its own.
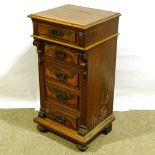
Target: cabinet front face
[
  {"x": 60, "y": 83},
  {"x": 59, "y": 89}
]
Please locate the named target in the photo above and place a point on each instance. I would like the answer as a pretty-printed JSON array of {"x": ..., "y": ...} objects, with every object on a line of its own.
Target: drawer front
[
  {"x": 61, "y": 53},
  {"x": 57, "y": 33},
  {"x": 62, "y": 96},
  {"x": 61, "y": 74},
  {"x": 62, "y": 117}
]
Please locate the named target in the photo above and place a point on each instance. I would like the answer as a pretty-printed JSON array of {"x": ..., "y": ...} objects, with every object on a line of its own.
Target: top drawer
[{"x": 57, "y": 33}]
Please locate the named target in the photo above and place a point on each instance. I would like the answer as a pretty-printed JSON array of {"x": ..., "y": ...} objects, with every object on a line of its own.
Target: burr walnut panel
[
  {"x": 62, "y": 96},
  {"x": 63, "y": 75},
  {"x": 62, "y": 117},
  {"x": 76, "y": 49},
  {"x": 61, "y": 53},
  {"x": 55, "y": 32}
]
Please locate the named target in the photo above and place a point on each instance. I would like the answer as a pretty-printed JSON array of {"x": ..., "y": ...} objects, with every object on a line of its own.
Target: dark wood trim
[{"x": 72, "y": 134}]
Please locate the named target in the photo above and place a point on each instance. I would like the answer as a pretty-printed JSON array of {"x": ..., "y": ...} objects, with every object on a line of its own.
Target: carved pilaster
[
  {"x": 82, "y": 130},
  {"x": 83, "y": 63},
  {"x": 83, "y": 59},
  {"x": 81, "y": 34},
  {"x": 84, "y": 75},
  {"x": 81, "y": 39}
]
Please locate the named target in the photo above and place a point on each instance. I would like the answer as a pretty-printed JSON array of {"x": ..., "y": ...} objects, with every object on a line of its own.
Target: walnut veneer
[{"x": 76, "y": 49}]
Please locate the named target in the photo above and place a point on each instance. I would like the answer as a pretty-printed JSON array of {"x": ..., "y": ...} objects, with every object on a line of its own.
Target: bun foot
[
  {"x": 41, "y": 128},
  {"x": 82, "y": 148},
  {"x": 107, "y": 129}
]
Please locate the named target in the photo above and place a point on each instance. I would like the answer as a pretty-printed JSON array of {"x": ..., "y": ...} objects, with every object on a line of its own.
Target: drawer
[
  {"x": 62, "y": 117},
  {"x": 62, "y": 96},
  {"x": 61, "y": 53},
  {"x": 57, "y": 33},
  {"x": 64, "y": 75}
]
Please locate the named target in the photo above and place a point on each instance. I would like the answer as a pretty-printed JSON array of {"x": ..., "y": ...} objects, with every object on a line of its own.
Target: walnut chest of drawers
[{"x": 76, "y": 49}]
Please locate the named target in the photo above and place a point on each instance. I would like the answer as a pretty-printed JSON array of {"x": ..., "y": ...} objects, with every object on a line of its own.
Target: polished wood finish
[
  {"x": 61, "y": 74},
  {"x": 75, "y": 16},
  {"x": 75, "y": 46},
  {"x": 55, "y": 32},
  {"x": 101, "y": 90},
  {"x": 61, "y": 53},
  {"x": 76, "y": 60},
  {"x": 61, "y": 96},
  {"x": 63, "y": 117},
  {"x": 101, "y": 31},
  {"x": 73, "y": 134}
]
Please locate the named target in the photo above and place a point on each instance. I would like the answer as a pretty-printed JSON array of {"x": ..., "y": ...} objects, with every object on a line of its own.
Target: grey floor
[{"x": 133, "y": 134}]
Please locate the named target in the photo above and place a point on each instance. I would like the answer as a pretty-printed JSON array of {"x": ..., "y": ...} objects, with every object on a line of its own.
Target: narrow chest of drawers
[{"x": 76, "y": 49}]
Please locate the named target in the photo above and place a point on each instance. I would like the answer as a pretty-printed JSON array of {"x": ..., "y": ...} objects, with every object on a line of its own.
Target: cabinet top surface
[{"x": 77, "y": 16}]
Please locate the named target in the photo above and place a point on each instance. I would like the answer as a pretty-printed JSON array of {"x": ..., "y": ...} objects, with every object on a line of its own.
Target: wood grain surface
[
  {"x": 75, "y": 15},
  {"x": 76, "y": 70}
]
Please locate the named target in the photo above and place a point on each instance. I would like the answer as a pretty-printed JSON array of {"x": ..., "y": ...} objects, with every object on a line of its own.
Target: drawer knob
[
  {"x": 62, "y": 96},
  {"x": 57, "y": 32},
  {"x": 60, "y": 118},
  {"x": 61, "y": 76},
  {"x": 60, "y": 54}
]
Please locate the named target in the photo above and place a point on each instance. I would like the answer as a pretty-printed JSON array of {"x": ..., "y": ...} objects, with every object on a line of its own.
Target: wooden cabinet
[{"x": 76, "y": 49}]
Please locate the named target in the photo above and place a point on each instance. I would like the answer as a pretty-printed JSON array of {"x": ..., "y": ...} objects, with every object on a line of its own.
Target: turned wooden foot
[
  {"x": 41, "y": 128},
  {"x": 108, "y": 129},
  {"x": 82, "y": 148}
]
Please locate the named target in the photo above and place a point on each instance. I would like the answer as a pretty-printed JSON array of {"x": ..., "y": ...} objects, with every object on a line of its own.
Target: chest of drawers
[{"x": 76, "y": 49}]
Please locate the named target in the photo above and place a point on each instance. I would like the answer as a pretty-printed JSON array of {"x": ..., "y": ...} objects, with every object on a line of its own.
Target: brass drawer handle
[
  {"x": 62, "y": 96},
  {"x": 59, "y": 94},
  {"x": 60, "y": 118},
  {"x": 61, "y": 76},
  {"x": 57, "y": 32},
  {"x": 60, "y": 54}
]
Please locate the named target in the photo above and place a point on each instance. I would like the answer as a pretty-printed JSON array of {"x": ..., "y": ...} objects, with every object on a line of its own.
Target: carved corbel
[{"x": 37, "y": 43}]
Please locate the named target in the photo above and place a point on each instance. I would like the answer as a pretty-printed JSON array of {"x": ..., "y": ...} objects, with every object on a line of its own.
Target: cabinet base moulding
[{"x": 71, "y": 134}]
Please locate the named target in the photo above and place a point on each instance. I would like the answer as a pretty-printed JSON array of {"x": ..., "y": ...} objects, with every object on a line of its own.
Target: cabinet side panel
[
  {"x": 101, "y": 31},
  {"x": 101, "y": 77}
]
